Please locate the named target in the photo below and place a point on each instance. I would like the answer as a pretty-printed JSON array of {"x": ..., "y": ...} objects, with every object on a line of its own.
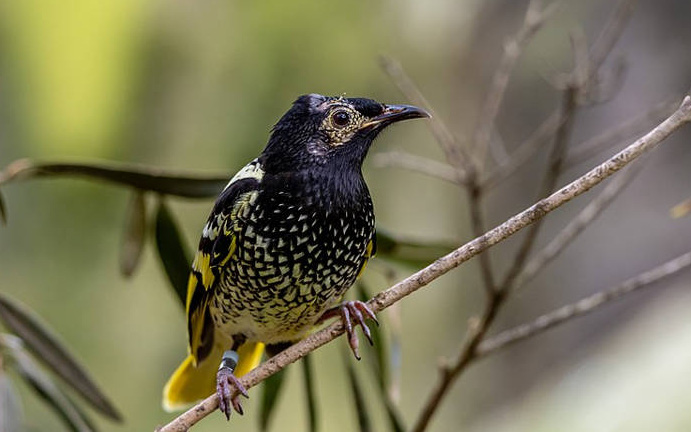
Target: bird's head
[{"x": 322, "y": 131}]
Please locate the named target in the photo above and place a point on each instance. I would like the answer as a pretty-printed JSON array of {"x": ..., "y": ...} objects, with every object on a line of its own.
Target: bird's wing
[
  {"x": 216, "y": 247},
  {"x": 369, "y": 253}
]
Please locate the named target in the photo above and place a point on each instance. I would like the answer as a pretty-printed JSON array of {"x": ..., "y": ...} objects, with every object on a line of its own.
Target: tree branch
[
  {"x": 593, "y": 146},
  {"x": 450, "y": 261},
  {"x": 576, "y": 225},
  {"x": 455, "y": 153},
  {"x": 582, "y": 307},
  {"x": 535, "y": 17},
  {"x": 416, "y": 163},
  {"x": 495, "y": 302}
]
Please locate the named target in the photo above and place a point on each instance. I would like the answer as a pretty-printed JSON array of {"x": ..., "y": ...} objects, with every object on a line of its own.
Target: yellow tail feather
[{"x": 190, "y": 384}]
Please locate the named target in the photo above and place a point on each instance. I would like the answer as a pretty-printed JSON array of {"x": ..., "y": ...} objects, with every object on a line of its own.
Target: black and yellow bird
[{"x": 289, "y": 234}]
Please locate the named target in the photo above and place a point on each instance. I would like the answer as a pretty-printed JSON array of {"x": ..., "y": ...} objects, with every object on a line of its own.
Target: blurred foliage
[{"x": 30, "y": 332}]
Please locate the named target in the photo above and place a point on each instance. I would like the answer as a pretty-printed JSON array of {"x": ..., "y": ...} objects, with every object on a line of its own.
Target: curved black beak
[{"x": 396, "y": 113}]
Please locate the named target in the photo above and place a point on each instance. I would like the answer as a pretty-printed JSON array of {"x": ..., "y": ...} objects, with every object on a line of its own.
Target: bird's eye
[{"x": 341, "y": 118}]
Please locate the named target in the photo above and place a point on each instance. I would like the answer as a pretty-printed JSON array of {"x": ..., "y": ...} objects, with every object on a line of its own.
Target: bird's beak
[{"x": 395, "y": 113}]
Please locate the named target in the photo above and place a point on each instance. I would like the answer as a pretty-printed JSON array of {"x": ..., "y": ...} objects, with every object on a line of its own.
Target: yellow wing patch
[
  {"x": 202, "y": 264},
  {"x": 369, "y": 253}
]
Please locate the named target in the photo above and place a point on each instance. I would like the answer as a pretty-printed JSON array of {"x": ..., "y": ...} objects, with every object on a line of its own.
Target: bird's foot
[
  {"x": 358, "y": 312},
  {"x": 228, "y": 386}
]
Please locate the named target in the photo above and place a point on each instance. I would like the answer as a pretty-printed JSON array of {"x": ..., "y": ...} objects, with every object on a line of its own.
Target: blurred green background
[{"x": 197, "y": 86}]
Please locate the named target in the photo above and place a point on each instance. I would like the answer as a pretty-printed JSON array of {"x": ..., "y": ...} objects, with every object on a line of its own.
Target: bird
[{"x": 286, "y": 238}]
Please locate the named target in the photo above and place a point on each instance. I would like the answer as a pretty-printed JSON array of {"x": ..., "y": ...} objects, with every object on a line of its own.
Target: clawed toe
[
  {"x": 354, "y": 312},
  {"x": 228, "y": 386}
]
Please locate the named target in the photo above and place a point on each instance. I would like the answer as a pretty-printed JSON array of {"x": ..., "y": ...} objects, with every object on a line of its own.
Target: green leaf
[
  {"x": 312, "y": 410},
  {"x": 172, "y": 251},
  {"x": 363, "y": 416},
  {"x": 44, "y": 386},
  {"x": 3, "y": 211},
  {"x": 415, "y": 253},
  {"x": 10, "y": 410},
  {"x": 140, "y": 177},
  {"x": 40, "y": 340},
  {"x": 134, "y": 234},
  {"x": 272, "y": 387}
]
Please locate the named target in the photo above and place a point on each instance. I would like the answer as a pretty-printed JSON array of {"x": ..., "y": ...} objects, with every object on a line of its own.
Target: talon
[
  {"x": 360, "y": 312},
  {"x": 228, "y": 386}
]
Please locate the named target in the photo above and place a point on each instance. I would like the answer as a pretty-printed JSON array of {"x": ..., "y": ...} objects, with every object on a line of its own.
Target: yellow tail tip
[{"x": 192, "y": 383}]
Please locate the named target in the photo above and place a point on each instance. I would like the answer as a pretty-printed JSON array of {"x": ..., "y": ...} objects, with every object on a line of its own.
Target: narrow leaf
[
  {"x": 363, "y": 416},
  {"x": 137, "y": 176},
  {"x": 10, "y": 409},
  {"x": 3, "y": 211},
  {"x": 45, "y": 387},
  {"x": 134, "y": 235},
  {"x": 415, "y": 253},
  {"x": 172, "y": 251},
  {"x": 312, "y": 410},
  {"x": 45, "y": 345},
  {"x": 272, "y": 387}
]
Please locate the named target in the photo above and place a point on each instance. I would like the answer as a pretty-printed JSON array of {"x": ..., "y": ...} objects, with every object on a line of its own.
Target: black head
[{"x": 320, "y": 131}]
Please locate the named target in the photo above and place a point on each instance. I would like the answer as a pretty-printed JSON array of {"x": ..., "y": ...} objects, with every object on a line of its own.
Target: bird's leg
[
  {"x": 228, "y": 386},
  {"x": 350, "y": 311}
]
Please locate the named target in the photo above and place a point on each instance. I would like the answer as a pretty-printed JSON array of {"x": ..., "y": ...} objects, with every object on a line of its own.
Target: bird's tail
[{"x": 190, "y": 384}]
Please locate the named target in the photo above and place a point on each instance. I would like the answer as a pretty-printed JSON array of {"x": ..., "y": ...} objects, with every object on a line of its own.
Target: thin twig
[
  {"x": 610, "y": 35},
  {"x": 593, "y": 146},
  {"x": 582, "y": 307},
  {"x": 491, "y": 310},
  {"x": 556, "y": 164},
  {"x": 523, "y": 152},
  {"x": 422, "y": 165},
  {"x": 478, "y": 227},
  {"x": 455, "y": 153},
  {"x": 569, "y": 233},
  {"x": 601, "y": 49},
  {"x": 578, "y": 152},
  {"x": 450, "y": 261},
  {"x": 534, "y": 19}
]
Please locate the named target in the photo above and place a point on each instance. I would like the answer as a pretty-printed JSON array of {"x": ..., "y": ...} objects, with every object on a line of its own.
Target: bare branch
[
  {"x": 582, "y": 307},
  {"x": 624, "y": 130},
  {"x": 556, "y": 163},
  {"x": 452, "y": 260},
  {"x": 451, "y": 373},
  {"x": 455, "y": 153},
  {"x": 523, "y": 152},
  {"x": 599, "y": 52},
  {"x": 577, "y": 225},
  {"x": 535, "y": 17},
  {"x": 612, "y": 31},
  {"x": 418, "y": 164}
]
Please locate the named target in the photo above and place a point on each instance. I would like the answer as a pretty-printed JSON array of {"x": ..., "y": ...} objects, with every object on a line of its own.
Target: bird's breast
[{"x": 295, "y": 257}]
